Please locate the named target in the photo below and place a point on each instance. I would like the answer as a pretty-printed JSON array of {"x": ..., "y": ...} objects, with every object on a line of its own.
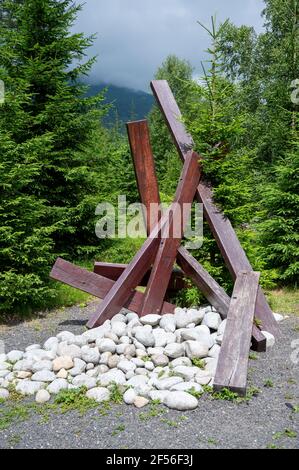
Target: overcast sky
[{"x": 135, "y": 36}]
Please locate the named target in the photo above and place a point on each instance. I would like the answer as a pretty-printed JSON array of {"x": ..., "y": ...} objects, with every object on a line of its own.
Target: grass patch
[
  {"x": 120, "y": 428},
  {"x": 13, "y": 415},
  {"x": 200, "y": 363},
  {"x": 116, "y": 395},
  {"x": 269, "y": 383},
  {"x": 169, "y": 422},
  {"x": 253, "y": 356},
  {"x": 155, "y": 410},
  {"x": 195, "y": 393},
  {"x": 75, "y": 399},
  {"x": 284, "y": 301},
  {"x": 286, "y": 433}
]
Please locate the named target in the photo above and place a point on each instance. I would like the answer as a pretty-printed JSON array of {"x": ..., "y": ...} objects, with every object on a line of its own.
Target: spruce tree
[{"x": 48, "y": 183}]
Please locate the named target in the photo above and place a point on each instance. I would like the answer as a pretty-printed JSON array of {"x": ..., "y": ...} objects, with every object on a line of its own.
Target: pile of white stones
[{"x": 149, "y": 358}]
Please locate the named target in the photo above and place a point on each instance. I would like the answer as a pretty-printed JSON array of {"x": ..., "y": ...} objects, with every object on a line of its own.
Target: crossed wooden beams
[{"x": 153, "y": 264}]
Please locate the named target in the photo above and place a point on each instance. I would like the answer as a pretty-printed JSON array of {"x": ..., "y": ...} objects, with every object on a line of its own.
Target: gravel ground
[{"x": 259, "y": 423}]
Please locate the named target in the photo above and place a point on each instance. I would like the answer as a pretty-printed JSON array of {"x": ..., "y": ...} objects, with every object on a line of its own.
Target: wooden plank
[
  {"x": 96, "y": 285},
  {"x": 228, "y": 243},
  {"x": 114, "y": 271},
  {"x": 166, "y": 255},
  {"x": 140, "y": 264},
  {"x": 232, "y": 364},
  {"x": 141, "y": 150}
]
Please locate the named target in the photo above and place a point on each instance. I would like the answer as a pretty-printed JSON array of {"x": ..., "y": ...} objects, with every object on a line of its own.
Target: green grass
[
  {"x": 13, "y": 415},
  {"x": 116, "y": 394},
  {"x": 286, "y": 433},
  {"x": 200, "y": 363},
  {"x": 284, "y": 301},
  {"x": 268, "y": 383},
  {"x": 75, "y": 399},
  {"x": 155, "y": 410}
]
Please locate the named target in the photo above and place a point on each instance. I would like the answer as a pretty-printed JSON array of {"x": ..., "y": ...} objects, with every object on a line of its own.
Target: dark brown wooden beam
[
  {"x": 114, "y": 271},
  {"x": 141, "y": 150},
  {"x": 229, "y": 245},
  {"x": 170, "y": 242},
  {"x": 96, "y": 285},
  {"x": 233, "y": 358},
  {"x": 136, "y": 269}
]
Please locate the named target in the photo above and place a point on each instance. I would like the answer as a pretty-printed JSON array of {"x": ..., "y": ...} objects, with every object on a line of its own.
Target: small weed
[
  {"x": 225, "y": 394},
  {"x": 169, "y": 422},
  {"x": 116, "y": 395},
  {"x": 14, "y": 395},
  {"x": 155, "y": 410},
  {"x": 161, "y": 373},
  {"x": 296, "y": 409},
  {"x": 146, "y": 358},
  {"x": 286, "y": 433},
  {"x": 118, "y": 430},
  {"x": 253, "y": 356},
  {"x": 272, "y": 446},
  {"x": 212, "y": 441},
  {"x": 74, "y": 399},
  {"x": 104, "y": 408},
  {"x": 14, "y": 440},
  {"x": 10, "y": 416},
  {"x": 291, "y": 381},
  {"x": 269, "y": 383},
  {"x": 194, "y": 393},
  {"x": 183, "y": 418},
  {"x": 207, "y": 389},
  {"x": 83, "y": 305},
  {"x": 200, "y": 363},
  {"x": 257, "y": 322}
]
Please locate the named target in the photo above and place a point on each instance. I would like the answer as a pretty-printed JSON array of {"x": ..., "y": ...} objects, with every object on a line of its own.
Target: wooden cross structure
[{"x": 247, "y": 312}]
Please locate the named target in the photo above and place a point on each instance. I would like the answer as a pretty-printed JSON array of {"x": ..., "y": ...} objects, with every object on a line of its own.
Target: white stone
[
  {"x": 129, "y": 396},
  {"x": 79, "y": 367},
  {"x": 138, "y": 362},
  {"x": 3, "y": 357},
  {"x": 158, "y": 395},
  {"x": 125, "y": 340},
  {"x": 66, "y": 336},
  {"x": 187, "y": 373},
  {"x": 99, "y": 394},
  {"x": 278, "y": 317},
  {"x": 27, "y": 387},
  {"x": 181, "y": 401},
  {"x": 145, "y": 336},
  {"x": 113, "y": 375},
  {"x": 132, "y": 316},
  {"x": 149, "y": 365},
  {"x": 84, "y": 380},
  {"x": 155, "y": 351},
  {"x": 203, "y": 377},
  {"x": 57, "y": 385},
  {"x": 200, "y": 333},
  {"x": 33, "y": 347},
  {"x": 96, "y": 333},
  {"x": 130, "y": 350},
  {"x": 186, "y": 386},
  {"x": 119, "y": 317},
  {"x": 137, "y": 381},
  {"x": 4, "y": 394},
  {"x": 191, "y": 325},
  {"x": 42, "y": 396},
  {"x": 90, "y": 354},
  {"x": 63, "y": 362},
  {"x": 106, "y": 345},
  {"x": 214, "y": 351},
  {"x": 80, "y": 340},
  {"x": 43, "y": 376},
  {"x": 161, "y": 337},
  {"x": 270, "y": 340},
  {"x": 23, "y": 365},
  {"x": 141, "y": 371},
  {"x": 113, "y": 361},
  {"x": 167, "y": 383},
  {"x": 121, "y": 348},
  {"x": 126, "y": 366},
  {"x": 195, "y": 349},
  {"x": 101, "y": 369},
  {"x": 5, "y": 366},
  {"x": 140, "y": 402},
  {"x": 195, "y": 316},
  {"x": 51, "y": 343},
  {"x": 174, "y": 350},
  {"x": 42, "y": 365},
  {"x": 211, "y": 365},
  {"x": 39, "y": 355},
  {"x": 15, "y": 356},
  {"x": 181, "y": 361},
  {"x": 105, "y": 357},
  {"x": 4, "y": 383},
  {"x": 222, "y": 327},
  {"x": 219, "y": 339},
  {"x": 70, "y": 350},
  {"x": 118, "y": 328},
  {"x": 212, "y": 320},
  {"x": 4, "y": 373},
  {"x": 160, "y": 360},
  {"x": 151, "y": 319},
  {"x": 168, "y": 323},
  {"x": 139, "y": 347},
  {"x": 181, "y": 317}
]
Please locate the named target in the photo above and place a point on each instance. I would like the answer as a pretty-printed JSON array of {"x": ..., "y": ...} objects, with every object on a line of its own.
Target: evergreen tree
[{"x": 48, "y": 183}]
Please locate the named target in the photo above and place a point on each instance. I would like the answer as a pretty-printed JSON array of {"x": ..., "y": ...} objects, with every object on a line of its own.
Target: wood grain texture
[
  {"x": 146, "y": 178},
  {"x": 170, "y": 242},
  {"x": 113, "y": 271},
  {"x": 232, "y": 364},
  {"x": 140, "y": 264},
  {"x": 228, "y": 243},
  {"x": 96, "y": 285}
]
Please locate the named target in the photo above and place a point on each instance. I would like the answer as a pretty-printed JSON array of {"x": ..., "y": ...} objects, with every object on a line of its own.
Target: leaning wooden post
[{"x": 233, "y": 358}]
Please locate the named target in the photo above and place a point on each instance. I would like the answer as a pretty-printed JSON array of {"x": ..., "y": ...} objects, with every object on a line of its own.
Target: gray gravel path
[{"x": 260, "y": 423}]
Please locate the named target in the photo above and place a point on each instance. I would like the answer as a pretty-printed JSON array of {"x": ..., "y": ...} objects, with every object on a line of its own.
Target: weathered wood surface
[
  {"x": 227, "y": 240},
  {"x": 232, "y": 364},
  {"x": 170, "y": 242},
  {"x": 141, "y": 151},
  {"x": 114, "y": 271},
  {"x": 213, "y": 292},
  {"x": 140, "y": 264},
  {"x": 96, "y": 285}
]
